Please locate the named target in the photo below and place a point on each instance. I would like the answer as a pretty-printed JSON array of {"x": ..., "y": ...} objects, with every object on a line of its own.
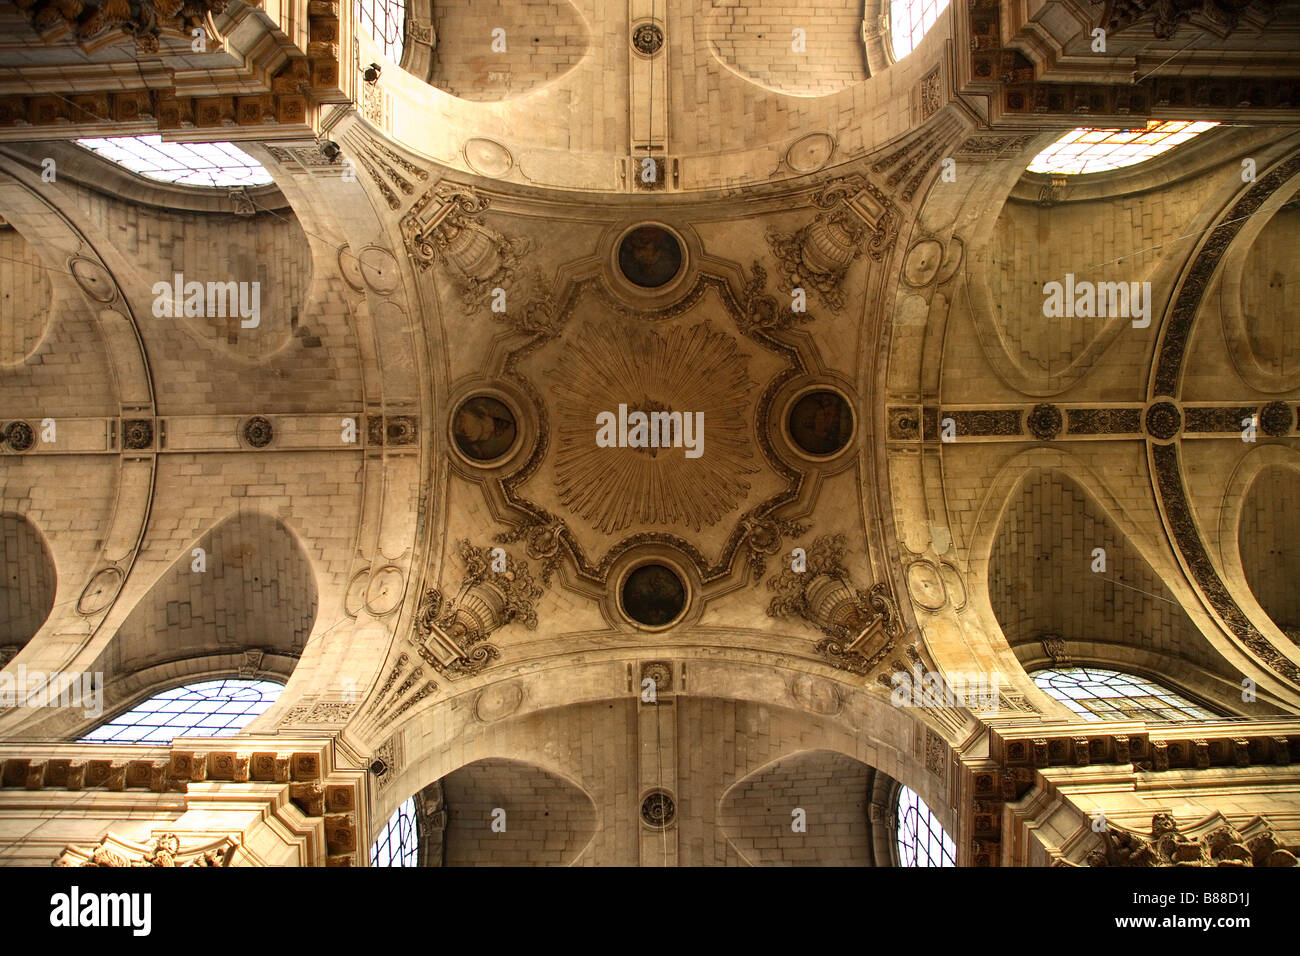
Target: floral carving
[
  {"x": 762, "y": 537},
  {"x": 761, "y": 311},
  {"x": 542, "y": 540}
]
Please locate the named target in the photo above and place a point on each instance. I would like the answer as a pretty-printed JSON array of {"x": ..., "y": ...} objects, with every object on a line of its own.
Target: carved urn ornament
[
  {"x": 862, "y": 626},
  {"x": 450, "y": 632}
]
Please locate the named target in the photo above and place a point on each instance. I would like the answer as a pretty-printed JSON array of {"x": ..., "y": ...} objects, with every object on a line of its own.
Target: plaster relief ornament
[
  {"x": 446, "y": 225},
  {"x": 862, "y": 626},
  {"x": 165, "y": 851},
  {"x": 142, "y": 19},
  {"x": 451, "y": 631},
  {"x": 674, "y": 378},
  {"x": 1255, "y": 844},
  {"x": 818, "y": 256}
]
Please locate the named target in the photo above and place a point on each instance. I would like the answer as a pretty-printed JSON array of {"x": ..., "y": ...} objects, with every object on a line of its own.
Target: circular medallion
[
  {"x": 647, "y": 38},
  {"x": 1276, "y": 419},
  {"x": 1045, "y": 421},
  {"x": 354, "y": 599},
  {"x": 384, "y": 591},
  {"x": 488, "y": 157},
  {"x": 653, "y": 595},
  {"x": 101, "y": 590},
  {"x": 137, "y": 433},
  {"x": 93, "y": 278},
  {"x": 258, "y": 432},
  {"x": 921, "y": 264},
  {"x": 810, "y": 153},
  {"x": 378, "y": 269},
  {"x": 650, "y": 257},
  {"x": 498, "y": 700},
  {"x": 925, "y": 586},
  {"x": 1163, "y": 421},
  {"x": 820, "y": 423},
  {"x": 484, "y": 429},
  {"x": 19, "y": 436},
  {"x": 658, "y": 810}
]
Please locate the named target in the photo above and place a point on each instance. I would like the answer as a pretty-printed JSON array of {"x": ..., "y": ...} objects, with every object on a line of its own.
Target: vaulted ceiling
[{"x": 832, "y": 268}]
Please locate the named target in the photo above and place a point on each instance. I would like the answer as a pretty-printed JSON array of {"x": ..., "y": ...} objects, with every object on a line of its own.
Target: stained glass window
[
  {"x": 909, "y": 20},
  {"x": 212, "y": 708},
  {"x": 399, "y": 843},
  {"x": 1097, "y": 694},
  {"x": 187, "y": 164},
  {"x": 921, "y": 839},
  {"x": 1086, "y": 150},
  {"x": 384, "y": 21}
]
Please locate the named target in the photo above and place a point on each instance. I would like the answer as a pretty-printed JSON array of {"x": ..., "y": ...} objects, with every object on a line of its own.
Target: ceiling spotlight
[
  {"x": 378, "y": 767},
  {"x": 371, "y": 73},
  {"x": 330, "y": 149}
]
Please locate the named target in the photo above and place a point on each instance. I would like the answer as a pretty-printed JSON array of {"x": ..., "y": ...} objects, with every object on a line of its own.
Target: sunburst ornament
[{"x": 693, "y": 376}]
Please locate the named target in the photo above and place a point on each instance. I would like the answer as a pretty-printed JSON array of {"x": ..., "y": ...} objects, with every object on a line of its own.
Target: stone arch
[
  {"x": 1267, "y": 526},
  {"x": 28, "y": 583},
  {"x": 248, "y": 615},
  {"x": 548, "y": 819},
  {"x": 756, "y": 813},
  {"x": 566, "y": 720},
  {"x": 1125, "y": 617},
  {"x": 1258, "y": 292}
]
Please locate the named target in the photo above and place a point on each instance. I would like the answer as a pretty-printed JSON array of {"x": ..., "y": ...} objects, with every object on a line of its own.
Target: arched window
[
  {"x": 399, "y": 843},
  {"x": 909, "y": 20},
  {"x": 921, "y": 839},
  {"x": 1086, "y": 150},
  {"x": 212, "y": 708},
  {"x": 186, "y": 164},
  {"x": 385, "y": 22},
  {"x": 1098, "y": 694}
]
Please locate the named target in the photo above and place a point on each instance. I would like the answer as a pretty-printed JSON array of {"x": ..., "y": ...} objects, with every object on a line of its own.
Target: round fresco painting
[
  {"x": 653, "y": 595},
  {"x": 650, "y": 256},
  {"x": 484, "y": 428},
  {"x": 821, "y": 423}
]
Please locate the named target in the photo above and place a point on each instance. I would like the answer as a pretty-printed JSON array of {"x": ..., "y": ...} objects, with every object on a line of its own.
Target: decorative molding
[
  {"x": 1168, "y": 844},
  {"x": 1014, "y": 758},
  {"x": 1218, "y": 17},
  {"x": 1182, "y": 525},
  {"x": 165, "y": 850},
  {"x": 1103, "y": 421}
]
